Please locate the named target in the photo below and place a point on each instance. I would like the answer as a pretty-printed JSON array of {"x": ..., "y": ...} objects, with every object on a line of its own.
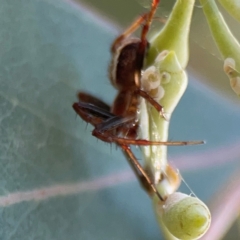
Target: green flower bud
[
  {"x": 166, "y": 82},
  {"x": 184, "y": 216},
  {"x": 174, "y": 35}
]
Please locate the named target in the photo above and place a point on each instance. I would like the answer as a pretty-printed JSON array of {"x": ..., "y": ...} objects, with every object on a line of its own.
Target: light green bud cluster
[{"x": 165, "y": 80}]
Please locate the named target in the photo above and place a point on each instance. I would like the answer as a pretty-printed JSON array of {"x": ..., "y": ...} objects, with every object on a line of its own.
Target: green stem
[
  {"x": 233, "y": 7},
  {"x": 226, "y": 42}
]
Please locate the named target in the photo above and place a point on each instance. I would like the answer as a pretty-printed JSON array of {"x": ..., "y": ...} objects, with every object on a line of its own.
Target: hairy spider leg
[
  {"x": 147, "y": 25},
  {"x": 133, "y": 27},
  {"x": 88, "y": 98},
  {"x": 106, "y": 127},
  {"x": 153, "y": 102},
  {"x": 105, "y": 123},
  {"x": 141, "y": 174},
  {"x": 95, "y": 117},
  {"x": 136, "y": 24}
]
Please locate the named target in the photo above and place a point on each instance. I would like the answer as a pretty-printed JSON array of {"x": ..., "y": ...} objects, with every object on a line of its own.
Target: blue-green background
[{"x": 48, "y": 51}]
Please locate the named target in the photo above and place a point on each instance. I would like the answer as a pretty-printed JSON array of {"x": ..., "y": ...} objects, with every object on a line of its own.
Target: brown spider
[{"x": 119, "y": 123}]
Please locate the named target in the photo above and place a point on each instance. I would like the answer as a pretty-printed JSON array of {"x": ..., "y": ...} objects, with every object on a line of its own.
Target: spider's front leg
[
  {"x": 149, "y": 99},
  {"x": 107, "y": 126}
]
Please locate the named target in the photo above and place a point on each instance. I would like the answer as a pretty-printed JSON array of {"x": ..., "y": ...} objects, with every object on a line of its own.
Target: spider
[{"x": 119, "y": 123}]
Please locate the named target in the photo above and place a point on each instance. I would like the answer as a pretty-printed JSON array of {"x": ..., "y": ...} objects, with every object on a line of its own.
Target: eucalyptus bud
[{"x": 184, "y": 216}]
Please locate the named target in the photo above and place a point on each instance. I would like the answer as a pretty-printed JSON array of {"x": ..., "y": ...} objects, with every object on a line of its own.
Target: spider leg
[
  {"x": 148, "y": 17},
  {"x": 96, "y": 116},
  {"x": 155, "y": 104},
  {"x": 141, "y": 174},
  {"x": 90, "y": 113},
  {"x": 107, "y": 126},
  {"x": 88, "y": 98},
  {"x": 147, "y": 25},
  {"x": 133, "y": 27}
]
